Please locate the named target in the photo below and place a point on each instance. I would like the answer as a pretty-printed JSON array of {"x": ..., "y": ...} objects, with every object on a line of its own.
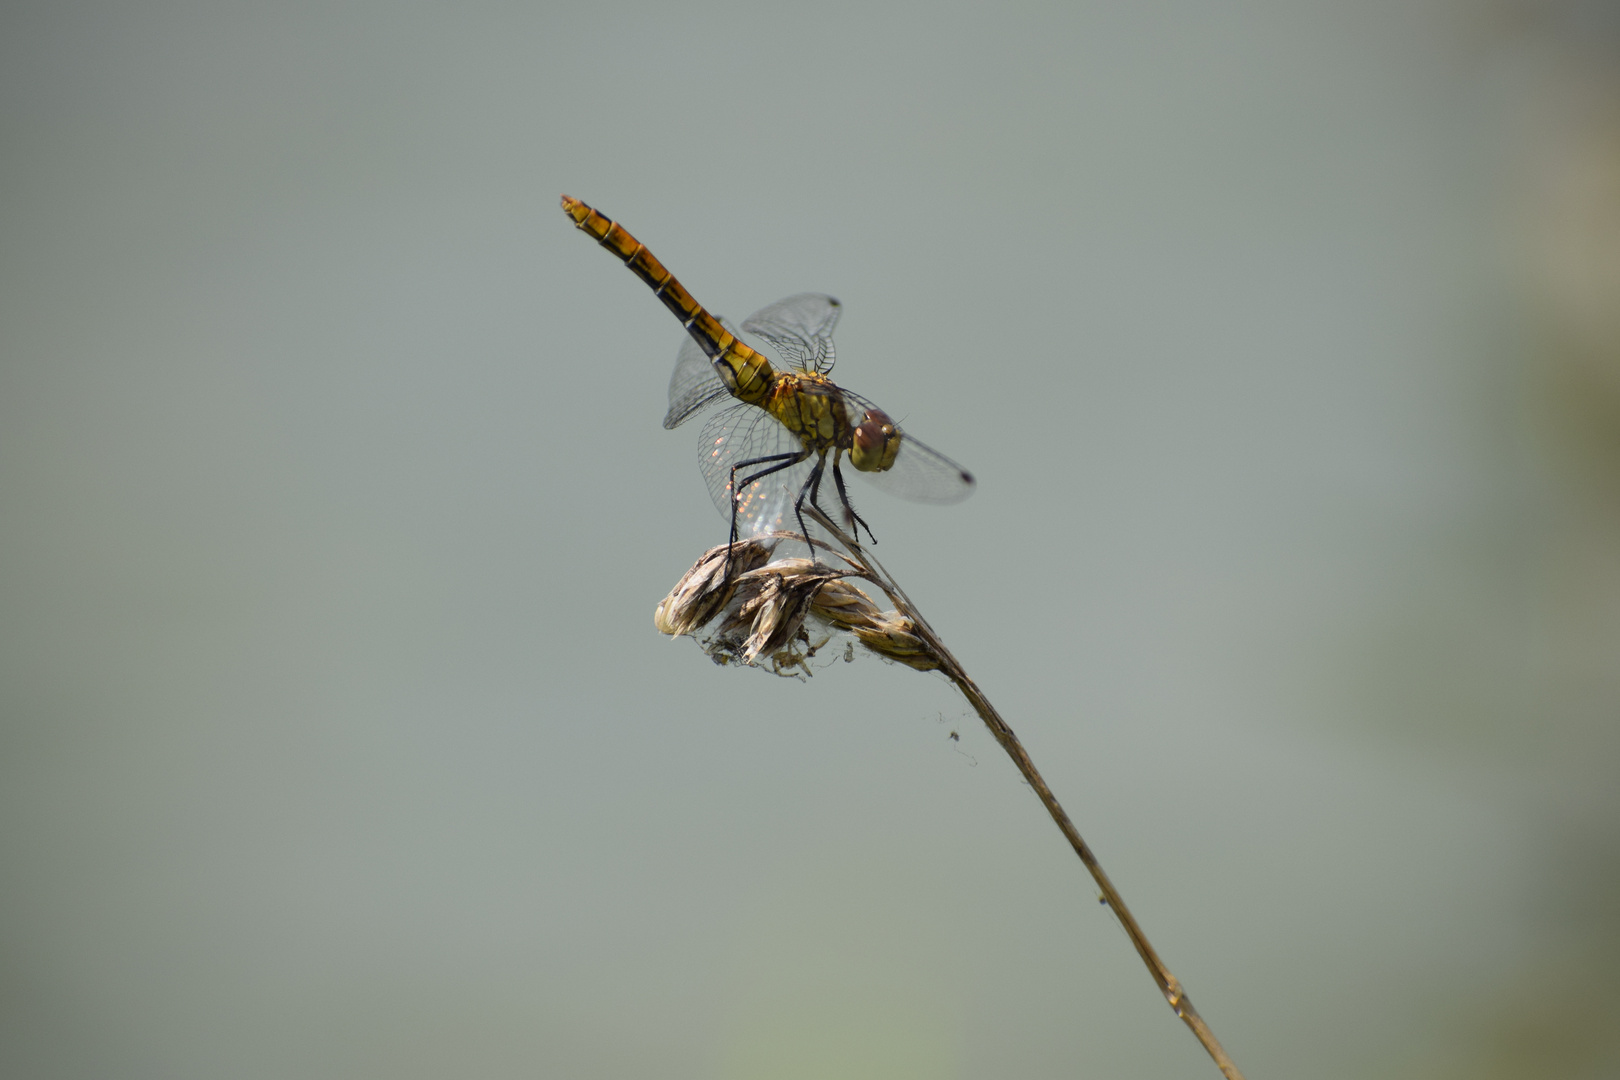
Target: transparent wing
[
  {"x": 693, "y": 384},
  {"x": 919, "y": 473},
  {"x": 800, "y": 328},
  {"x": 743, "y": 433}
]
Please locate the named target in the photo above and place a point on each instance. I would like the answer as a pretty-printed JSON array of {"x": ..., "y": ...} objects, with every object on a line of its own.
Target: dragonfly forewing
[
  {"x": 800, "y": 329},
  {"x": 919, "y": 473}
]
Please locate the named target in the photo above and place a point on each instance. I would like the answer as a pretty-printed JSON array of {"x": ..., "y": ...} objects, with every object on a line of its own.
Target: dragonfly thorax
[{"x": 811, "y": 407}]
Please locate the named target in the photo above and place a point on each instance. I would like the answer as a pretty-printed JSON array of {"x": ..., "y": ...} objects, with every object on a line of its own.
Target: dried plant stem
[{"x": 1169, "y": 986}]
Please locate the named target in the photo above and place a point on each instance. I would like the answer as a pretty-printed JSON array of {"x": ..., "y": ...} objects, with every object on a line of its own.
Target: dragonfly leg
[
  {"x": 778, "y": 462},
  {"x": 812, "y": 488},
  {"x": 856, "y": 522}
]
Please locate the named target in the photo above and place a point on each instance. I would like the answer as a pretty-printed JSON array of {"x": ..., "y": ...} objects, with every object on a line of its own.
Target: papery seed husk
[{"x": 704, "y": 591}]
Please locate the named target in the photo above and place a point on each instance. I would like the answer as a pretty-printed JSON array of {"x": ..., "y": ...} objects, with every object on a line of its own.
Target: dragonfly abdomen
[{"x": 746, "y": 373}]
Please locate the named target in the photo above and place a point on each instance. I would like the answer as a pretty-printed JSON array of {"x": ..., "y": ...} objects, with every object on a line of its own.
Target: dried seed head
[
  {"x": 782, "y": 611},
  {"x": 771, "y": 603},
  {"x": 705, "y": 590},
  {"x": 888, "y": 633}
]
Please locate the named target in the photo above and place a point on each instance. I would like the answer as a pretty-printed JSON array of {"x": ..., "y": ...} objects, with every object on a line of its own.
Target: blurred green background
[{"x": 335, "y": 738}]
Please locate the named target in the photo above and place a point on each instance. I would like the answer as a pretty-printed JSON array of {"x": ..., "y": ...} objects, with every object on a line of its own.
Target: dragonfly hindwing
[{"x": 694, "y": 383}]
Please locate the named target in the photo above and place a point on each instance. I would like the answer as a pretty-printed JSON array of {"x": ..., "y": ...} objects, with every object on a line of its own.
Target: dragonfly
[{"x": 789, "y": 425}]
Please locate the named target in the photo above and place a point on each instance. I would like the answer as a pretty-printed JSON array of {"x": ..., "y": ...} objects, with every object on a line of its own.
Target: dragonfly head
[{"x": 876, "y": 442}]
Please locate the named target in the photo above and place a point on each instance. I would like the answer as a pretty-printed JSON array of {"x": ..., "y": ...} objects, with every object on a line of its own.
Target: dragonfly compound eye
[{"x": 875, "y": 443}]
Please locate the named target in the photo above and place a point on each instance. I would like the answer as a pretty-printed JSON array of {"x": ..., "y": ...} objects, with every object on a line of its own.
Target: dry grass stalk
[{"x": 763, "y": 611}]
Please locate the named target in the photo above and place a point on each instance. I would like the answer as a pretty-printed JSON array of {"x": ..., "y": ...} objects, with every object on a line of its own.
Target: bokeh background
[{"x": 1284, "y": 339}]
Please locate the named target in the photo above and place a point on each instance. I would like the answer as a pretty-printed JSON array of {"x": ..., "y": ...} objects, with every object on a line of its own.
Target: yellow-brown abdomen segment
[{"x": 745, "y": 372}]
